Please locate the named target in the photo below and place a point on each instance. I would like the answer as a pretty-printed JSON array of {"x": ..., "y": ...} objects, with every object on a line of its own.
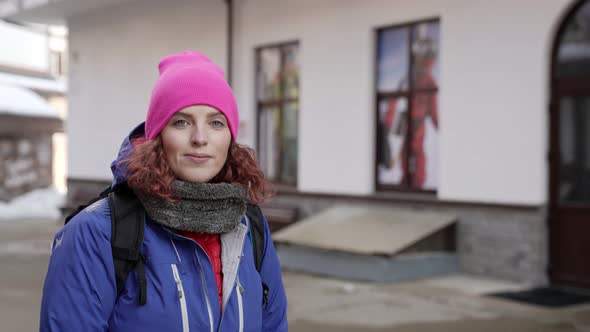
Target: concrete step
[{"x": 371, "y": 242}]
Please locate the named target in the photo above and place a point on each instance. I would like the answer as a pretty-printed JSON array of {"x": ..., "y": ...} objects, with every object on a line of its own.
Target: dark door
[{"x": 569, "y": 203}]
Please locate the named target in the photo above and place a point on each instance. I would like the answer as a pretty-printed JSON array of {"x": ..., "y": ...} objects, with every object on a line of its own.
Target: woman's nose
[{"x": 199, "y": 136}]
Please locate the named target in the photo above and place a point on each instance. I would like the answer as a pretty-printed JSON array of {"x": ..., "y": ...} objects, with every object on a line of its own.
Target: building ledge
[
  {"x": 428, "y": 198},
  {"x": 50, "y": 11}
]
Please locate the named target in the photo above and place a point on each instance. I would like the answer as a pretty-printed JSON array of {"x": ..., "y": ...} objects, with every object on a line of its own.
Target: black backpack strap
[
  {"x": 128, "y": 223},
  {"x": 256, "y": 223}
]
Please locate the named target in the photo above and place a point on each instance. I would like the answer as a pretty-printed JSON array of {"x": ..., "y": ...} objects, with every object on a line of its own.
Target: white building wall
[
  {"x": 493, "y": 98},
  {"x": 23, "y": 48},
  {"x": 494, "y": 105},
  {"x": 114, "y": 54}
]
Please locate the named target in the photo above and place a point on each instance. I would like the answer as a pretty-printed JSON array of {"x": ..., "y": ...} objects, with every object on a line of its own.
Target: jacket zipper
[
  {"x": 203, "y": 282},
  {"x": 181, "y": 297},
  {"x": 239, "y": 292}
]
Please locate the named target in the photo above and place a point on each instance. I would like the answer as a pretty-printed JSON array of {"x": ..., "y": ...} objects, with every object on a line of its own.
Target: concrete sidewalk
[
  {"x": 315, "y": 303},
  {"x": 446, "y": 304}
]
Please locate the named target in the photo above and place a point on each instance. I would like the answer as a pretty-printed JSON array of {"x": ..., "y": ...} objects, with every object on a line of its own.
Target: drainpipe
[{"x": 230, "y": 38}]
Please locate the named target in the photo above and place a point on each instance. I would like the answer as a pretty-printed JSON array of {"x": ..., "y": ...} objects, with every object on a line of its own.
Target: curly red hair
[{"x": 148, "y": 170}]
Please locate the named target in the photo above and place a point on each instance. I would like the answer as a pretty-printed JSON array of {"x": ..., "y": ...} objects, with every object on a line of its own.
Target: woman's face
[{"x": 196, "y": 141}]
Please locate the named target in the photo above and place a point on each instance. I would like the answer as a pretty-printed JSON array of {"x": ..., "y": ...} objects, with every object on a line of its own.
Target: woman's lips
[{"x": 198, "y": 158}]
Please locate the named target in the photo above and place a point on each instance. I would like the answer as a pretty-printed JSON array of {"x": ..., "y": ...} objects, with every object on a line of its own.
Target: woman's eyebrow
[
  {"x": 188, "y": 116},
  {"x": 184, "y": 115},
  {"x": 213, "y": 114}
]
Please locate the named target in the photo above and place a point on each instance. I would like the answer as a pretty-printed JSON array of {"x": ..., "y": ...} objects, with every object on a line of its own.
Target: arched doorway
[{"x": 569, "y": 180}]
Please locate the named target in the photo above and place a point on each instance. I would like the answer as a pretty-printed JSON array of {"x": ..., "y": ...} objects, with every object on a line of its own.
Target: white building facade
[{"x": 441, "y": 105}]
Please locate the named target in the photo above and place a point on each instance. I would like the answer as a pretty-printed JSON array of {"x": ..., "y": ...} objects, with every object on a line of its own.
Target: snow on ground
[
  {"x": 40, "y": 204},
  {"x": 24, "y": 102}
]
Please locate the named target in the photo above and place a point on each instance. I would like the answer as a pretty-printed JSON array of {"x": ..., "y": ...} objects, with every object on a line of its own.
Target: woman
[{"x": 198, "y": 256}]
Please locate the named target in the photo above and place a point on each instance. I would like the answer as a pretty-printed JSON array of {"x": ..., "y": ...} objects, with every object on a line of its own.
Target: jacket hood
[{"x": 118, "y": 169}]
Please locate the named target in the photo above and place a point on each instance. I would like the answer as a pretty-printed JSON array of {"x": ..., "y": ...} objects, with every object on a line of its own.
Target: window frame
[
  {"x": 409, "y": 94},
  {"x": 279, "y": 104}
]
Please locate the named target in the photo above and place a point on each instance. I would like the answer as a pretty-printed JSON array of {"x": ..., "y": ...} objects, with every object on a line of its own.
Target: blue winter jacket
[{"x": 80, "y": 288}]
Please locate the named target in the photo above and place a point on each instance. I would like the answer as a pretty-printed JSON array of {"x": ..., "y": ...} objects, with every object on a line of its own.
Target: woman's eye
[
  {"x": 180, "y": 123},
  {"x": 217, "y": 124}
]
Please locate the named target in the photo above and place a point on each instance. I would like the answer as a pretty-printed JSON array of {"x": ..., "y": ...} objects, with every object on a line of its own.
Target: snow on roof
[
  {"x": 21, "y": 101},
  {"x": 36, "y": 83}
]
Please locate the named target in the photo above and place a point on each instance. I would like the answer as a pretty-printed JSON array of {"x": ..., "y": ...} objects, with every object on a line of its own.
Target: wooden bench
[
  {"x": 279, "y": 215},
  {"x": 79, "y": 197}
]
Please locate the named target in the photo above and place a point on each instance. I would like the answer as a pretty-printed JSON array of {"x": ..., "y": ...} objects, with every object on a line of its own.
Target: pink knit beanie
[{"x": 186, "y": 79}]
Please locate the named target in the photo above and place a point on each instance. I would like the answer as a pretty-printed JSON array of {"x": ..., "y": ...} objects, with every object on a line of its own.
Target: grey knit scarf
[{"x": 213, "y": 208}]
